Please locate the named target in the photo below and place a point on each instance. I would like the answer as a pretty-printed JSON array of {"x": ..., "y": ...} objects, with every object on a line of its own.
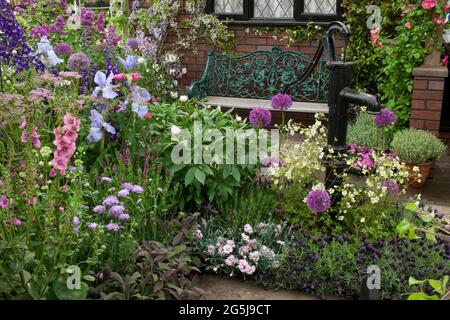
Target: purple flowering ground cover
[{"x": 90, "y": 111}]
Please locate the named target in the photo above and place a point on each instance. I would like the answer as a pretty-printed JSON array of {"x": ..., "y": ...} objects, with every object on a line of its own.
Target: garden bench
[{"x": 251, "y": 80}]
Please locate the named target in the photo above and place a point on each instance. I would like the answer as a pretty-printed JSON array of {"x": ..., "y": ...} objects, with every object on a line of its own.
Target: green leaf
[
  {"x": 200, "y": 176},
  {"x": 412, "y": 281},
  {"x": 426, "y": 218},
  {"x": 412, "y": 207},
  {"x": 437, "y": 286},
  {"x": 64, "y": 293},
  {"x": 422, "y": 296},
  {"x": 403, "y": 227},
  {"x": 176, "y": 250},
  {"x": 236, "y": 174},
  {"x": 207, "y": 169},
  {"x": 445, "y": 281},
  {"x": 189, "y": 177},
  {"x": 226, "y": 171},
  {"x": 430, "y": 236},
  {"x": 34, "y": 288},
  {"x": 89, "y": 278},
  {"x": 412, "y": 233},
  {"x": 178, "y": 167}
]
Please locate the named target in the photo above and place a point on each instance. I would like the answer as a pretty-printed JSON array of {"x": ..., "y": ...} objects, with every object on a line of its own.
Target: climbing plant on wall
[
  {"x": 421, "y": 24},
  {"x": 367, "y": 56}
]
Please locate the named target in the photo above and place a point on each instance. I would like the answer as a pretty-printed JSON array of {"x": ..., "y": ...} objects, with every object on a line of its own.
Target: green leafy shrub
[
  {"x": 363, "y": 132},
  {"x": 214, "y": 180},
  {"x": 417, "y": 146}
]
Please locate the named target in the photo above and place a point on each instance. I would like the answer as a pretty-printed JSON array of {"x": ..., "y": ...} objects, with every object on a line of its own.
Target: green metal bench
[{"x": 252, "y": 79}]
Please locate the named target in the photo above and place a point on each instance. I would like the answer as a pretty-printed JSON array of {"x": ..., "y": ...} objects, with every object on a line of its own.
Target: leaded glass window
[
  {"x": 277, "y": 11},
  {"x": 229, "y": 6},
  {"x": 274, "y": 9},
  {"x": 321, "y": 6}
]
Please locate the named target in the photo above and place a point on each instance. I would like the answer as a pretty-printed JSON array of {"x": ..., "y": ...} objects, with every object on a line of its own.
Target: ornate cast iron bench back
[{"x": 262, "y": 74}]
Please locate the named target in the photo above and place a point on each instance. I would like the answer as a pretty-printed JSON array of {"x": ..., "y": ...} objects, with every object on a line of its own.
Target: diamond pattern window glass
[
  {"x": 229, "y": 6},
  {"x": 274, "y": 9},
  {"x": 321, "y": 6}
]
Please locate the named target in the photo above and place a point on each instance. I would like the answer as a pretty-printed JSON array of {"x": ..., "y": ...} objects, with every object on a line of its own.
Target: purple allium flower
[
  {"x": 123, "y": 193},
  {"x": 281, "y": 101},
  {"x": 260, "y": 117},
  {"x": 100, "y": 23},
  {"x": 87, "y": 18},
  {"x": 39, "y": 32},
  {"x": 111, "y": 226},
  {"x": 63, "y": 49},
  {"x": 137, "y": 189},
  {"x": 19, "y": 10},
  {"x": 106, "y": 180},
  {"x": 78, "y": 62},
  {"x": 99, "y": 209},
  {"x": 124, "y": 217},
  {"x": 92, "y": 225},
  {"x": 116, "y": 210},
  {"x": 393, "y": 188},
  {"x": 133, "y": 43},
  {"x": 58, "y": 25},
  {"x": 385, "y": 118},
  {"x": 110, "y": 201},
  {"x": 128, "y": 186},
  {"x": 318, "y": 201}
]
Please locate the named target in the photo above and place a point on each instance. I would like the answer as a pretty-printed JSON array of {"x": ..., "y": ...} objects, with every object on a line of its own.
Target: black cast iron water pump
[{"x": 340, "y": 96}]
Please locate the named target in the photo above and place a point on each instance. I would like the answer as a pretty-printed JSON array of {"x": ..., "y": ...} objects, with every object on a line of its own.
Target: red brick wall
[{"x": 426, "y": 105}]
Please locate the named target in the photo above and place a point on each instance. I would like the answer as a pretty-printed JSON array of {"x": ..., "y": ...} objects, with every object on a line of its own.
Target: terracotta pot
[{"x": 424, "y": 170}]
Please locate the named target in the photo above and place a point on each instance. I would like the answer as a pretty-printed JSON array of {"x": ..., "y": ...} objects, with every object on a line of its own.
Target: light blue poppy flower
[
  {"x": 129, "y": 63},
  {"x": 104, "y": 86},
  {"x": 140, "y": 99},
  {"x": 48, "y": 56},
  {"x": 97, "y": 124}
]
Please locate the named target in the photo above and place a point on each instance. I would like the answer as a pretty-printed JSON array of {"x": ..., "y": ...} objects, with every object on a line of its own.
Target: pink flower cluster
[
  {"x": 246, "y": 256},
  {"x": 364, "y": 157},
  {"x": 429, "y": 4},
  {"x": 445, "y": 60},
  {"x": 65, "y": 138},
  {"x": 35, "y": 137},
  {"x": 374, "y": 37}
]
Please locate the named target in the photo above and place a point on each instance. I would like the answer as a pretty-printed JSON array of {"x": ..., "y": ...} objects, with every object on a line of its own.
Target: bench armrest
[{"x": 198, "y": 89}]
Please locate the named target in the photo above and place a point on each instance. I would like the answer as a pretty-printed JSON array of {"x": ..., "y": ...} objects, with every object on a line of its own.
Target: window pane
[
  {"x": 321, "y": 6},
  {"x": 229, "y": 6},
  {"x": 274, "y": 9}
]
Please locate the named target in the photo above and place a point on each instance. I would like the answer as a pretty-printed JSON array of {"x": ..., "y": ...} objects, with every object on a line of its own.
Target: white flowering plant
[
  {"x": 363, "y": 204},
  {"x": 252, "y": 250}
]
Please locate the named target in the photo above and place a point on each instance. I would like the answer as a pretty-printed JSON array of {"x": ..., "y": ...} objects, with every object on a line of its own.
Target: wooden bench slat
[{"x": 243, "y": 103}]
